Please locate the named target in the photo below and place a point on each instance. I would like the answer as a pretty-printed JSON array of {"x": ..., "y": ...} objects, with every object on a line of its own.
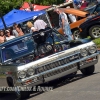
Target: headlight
[
  {"x": 92, "y": 49},
  {"x": 83, "y": 52},
  {"x": 30, "y": 71},
  {"x": 21, "y": 74}
]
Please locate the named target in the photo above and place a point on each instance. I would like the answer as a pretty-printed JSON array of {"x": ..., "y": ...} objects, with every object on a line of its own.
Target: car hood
[{"x": 74, "y": 12}]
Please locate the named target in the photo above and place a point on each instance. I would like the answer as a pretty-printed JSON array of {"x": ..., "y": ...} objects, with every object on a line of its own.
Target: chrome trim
[
  {"x": 71, "y": 63},
  {"x": 89, "y": 64},
  {"x": 61, "y": 74}
]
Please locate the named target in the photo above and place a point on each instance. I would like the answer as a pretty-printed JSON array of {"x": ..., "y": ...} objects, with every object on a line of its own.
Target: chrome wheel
[
  {"x": 95, "y": 31},
  {"x": 76, "y": 34}
]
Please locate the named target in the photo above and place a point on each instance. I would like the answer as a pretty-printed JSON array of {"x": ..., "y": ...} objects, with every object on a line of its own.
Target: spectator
[
  {"x": 71, "y": 16},
  {"x": 30, "y": 25},
  {"x": 63, "y": 23},
  {"x": 18, "y": 31},
  {"x": 9, "y": 36},
  {"x": 15, "y": 33},
  {"x": 77, "y": 3},
  {"x": 83, "y": 5},
  {"x": 39, "y": 23},
  {"x": 2, "y": 36}
]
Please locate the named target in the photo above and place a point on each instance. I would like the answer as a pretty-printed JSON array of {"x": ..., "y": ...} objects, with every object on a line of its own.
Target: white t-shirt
[
  {"x": 9, "y": 38},
  {"x": 63, "y": 16},
  {"x": 39, "y": 24},
  {"x": 72, "y": 18}
]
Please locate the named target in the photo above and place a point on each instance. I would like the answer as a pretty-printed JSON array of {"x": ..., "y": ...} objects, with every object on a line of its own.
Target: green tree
[
  {"x": 8, "y": 5},
  {"x": 49, "y": 2}
]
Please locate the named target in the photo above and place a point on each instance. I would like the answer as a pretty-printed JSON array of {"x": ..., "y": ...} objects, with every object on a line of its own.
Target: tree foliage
[
  {"x": 8, "y": 5},
  {"x": 49, "y": 2}
]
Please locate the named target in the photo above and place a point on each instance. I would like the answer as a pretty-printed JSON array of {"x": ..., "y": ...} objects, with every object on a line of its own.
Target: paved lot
[{"x": 79, "y": 88}]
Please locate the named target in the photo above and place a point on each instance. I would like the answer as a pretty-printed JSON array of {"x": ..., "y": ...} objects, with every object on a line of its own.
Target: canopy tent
[
  {"x": 26, "y": 7},
  {"x": 18, "y": 16}
]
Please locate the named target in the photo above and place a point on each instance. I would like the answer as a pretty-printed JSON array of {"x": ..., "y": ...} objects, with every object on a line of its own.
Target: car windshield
[{"x": 16, "y": 50}]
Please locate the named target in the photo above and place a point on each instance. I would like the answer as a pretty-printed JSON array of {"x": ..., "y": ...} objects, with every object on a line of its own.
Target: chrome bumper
[{"x": 57, "y": 72}]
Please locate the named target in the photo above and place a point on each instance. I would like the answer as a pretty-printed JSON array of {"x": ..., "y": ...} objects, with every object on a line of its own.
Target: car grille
[
  {"x": 58, "y": 63},
  {"x": 58, "y": 71}
]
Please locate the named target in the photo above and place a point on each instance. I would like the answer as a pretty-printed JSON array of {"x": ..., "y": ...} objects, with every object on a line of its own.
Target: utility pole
[{"x": 33, "y": 5}]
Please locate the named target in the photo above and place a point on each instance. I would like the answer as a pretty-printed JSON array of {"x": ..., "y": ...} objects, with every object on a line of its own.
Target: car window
[{"x": 17, "y": 49}]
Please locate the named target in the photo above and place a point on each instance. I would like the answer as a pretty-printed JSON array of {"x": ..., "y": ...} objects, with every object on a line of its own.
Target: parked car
[
  {"x": 37, "y": 58},
  {"x": 91, "y": 27}
]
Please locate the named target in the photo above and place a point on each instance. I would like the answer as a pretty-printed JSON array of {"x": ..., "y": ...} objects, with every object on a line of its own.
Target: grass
[
  {"x": 2, "y": 76},
  {"x": 97, "y": 42}
]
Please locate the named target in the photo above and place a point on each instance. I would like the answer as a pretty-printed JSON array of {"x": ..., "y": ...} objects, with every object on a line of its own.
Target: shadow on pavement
[{"x": 55, "y": 84}]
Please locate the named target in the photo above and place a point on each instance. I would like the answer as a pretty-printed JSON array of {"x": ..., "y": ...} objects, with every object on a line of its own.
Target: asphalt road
[{"x": 78, "y": 88}]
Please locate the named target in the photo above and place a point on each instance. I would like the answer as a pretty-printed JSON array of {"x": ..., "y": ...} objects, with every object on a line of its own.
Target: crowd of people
[
  {"x": 82, "y": 4},
  {"x": 38, "y": 24},
  {"x": 16, "y": 30},
  {"x": 10, "y": 33}
]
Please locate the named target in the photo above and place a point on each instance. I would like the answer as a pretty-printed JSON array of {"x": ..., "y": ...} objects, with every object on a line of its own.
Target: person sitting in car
[{"x": 8, "y": 35}]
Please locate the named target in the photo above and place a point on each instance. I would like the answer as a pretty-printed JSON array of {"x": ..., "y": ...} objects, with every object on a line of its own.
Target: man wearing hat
[{"x": 39, "y": 23}]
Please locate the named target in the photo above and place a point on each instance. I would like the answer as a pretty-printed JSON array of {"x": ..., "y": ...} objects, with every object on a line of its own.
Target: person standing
[
  {"x": 71, "y": 16},
  {"x": 64, "y": 24},
  {"x": 17, "y": 30},
  {"x": 39, "y": 23},
  {"x": 15, "y": 33},
  {"x": 2, "y": 36},
  {"x": 31, "y": 27},
  {"x": 8, "y": 35}
]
